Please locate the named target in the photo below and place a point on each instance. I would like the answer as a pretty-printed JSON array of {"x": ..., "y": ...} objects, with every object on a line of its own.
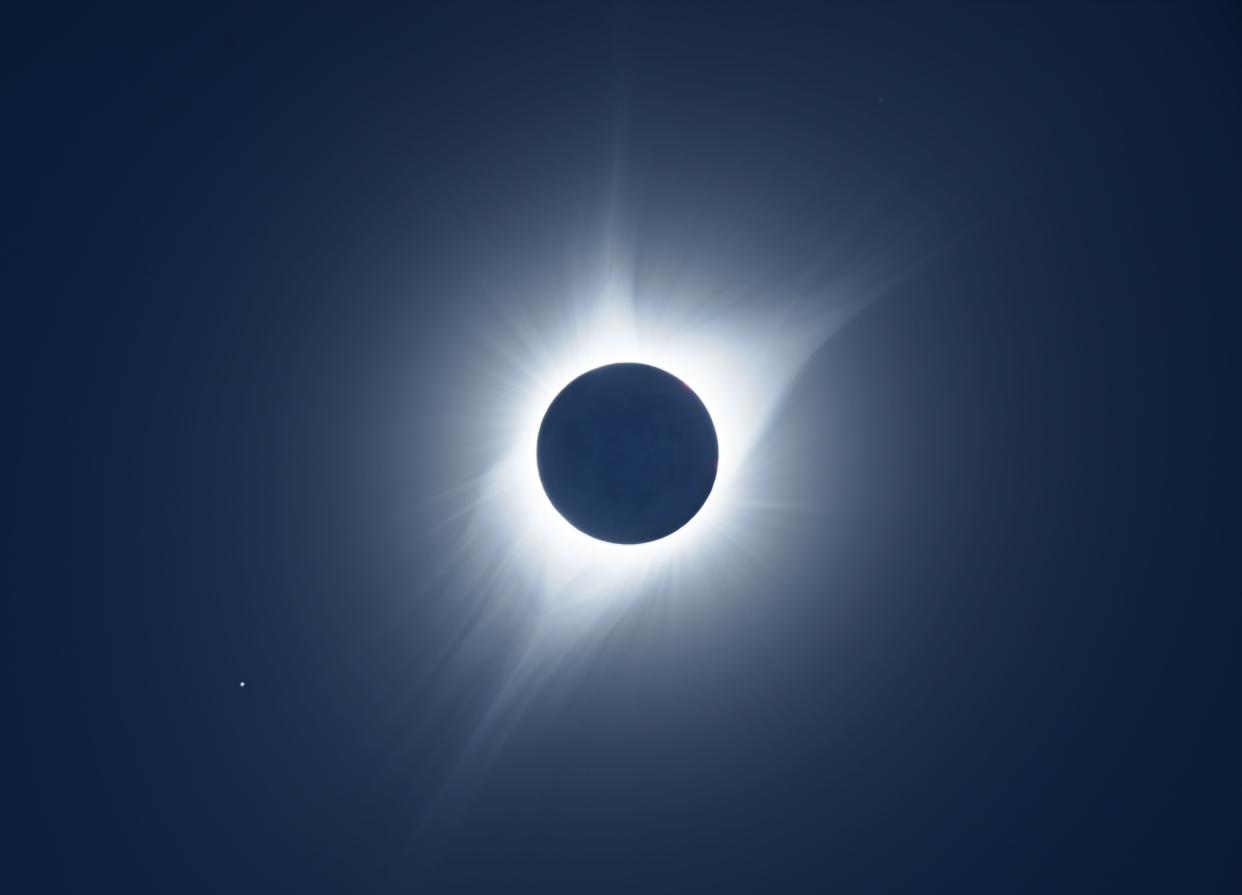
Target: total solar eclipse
[{"x": 627, "y": 453}]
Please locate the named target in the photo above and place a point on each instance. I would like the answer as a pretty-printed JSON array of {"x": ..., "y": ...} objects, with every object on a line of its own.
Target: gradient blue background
[{"x": 1000, "y": 656}]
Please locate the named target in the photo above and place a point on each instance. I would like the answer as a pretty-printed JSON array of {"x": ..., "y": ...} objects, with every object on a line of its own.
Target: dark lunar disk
[{"x": 627, "y": 453}]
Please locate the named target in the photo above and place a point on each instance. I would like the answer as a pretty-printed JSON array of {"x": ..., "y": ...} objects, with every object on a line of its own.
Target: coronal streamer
[{"x": 741, "y": 352}]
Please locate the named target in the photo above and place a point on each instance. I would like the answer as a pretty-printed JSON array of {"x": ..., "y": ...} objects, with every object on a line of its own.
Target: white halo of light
[
  {"x": 739, "y": 364},
  {"x": 524, "y": 570}
]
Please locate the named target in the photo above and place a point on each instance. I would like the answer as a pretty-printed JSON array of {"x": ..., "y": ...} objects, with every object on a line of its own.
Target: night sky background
[{"x": 998, "y": 655}]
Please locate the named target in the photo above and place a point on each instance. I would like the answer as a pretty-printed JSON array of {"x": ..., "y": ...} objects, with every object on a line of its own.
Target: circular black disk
[{"x": 627, "y": 453}]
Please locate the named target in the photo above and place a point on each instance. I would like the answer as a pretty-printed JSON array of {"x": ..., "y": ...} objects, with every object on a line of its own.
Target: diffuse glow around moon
[{"x": 533, "y": 576}]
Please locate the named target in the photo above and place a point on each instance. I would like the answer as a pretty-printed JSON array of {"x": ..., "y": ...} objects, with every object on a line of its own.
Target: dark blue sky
[{"x": 999, "y": 655}]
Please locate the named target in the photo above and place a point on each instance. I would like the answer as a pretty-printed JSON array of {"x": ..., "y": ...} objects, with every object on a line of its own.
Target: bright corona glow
[
  {"x": 528, "y": 573},
  {"x": 739, "y": 364}
]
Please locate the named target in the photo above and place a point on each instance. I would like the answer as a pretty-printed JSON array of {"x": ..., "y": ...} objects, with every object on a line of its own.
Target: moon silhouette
[{"x": 627, "y": 453}]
